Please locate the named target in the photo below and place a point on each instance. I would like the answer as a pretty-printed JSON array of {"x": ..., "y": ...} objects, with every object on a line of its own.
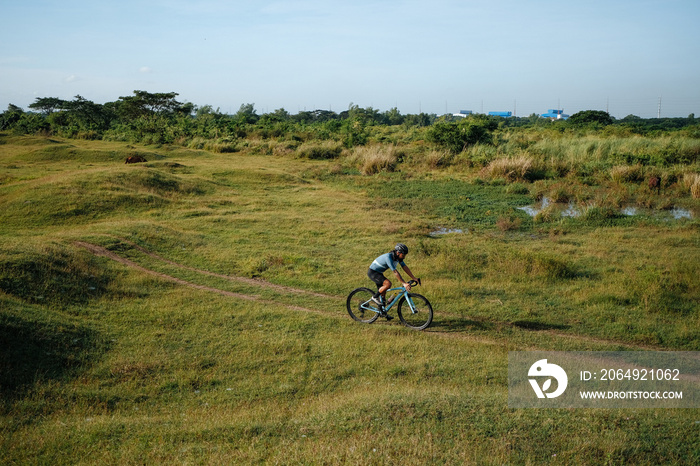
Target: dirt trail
[
  {"x": 249, "y": 281},
  {"x": 101, "y": 251}
]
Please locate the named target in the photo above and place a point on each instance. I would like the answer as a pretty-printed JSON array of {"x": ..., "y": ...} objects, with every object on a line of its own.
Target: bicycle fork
[{"x": 414, "y": 310}]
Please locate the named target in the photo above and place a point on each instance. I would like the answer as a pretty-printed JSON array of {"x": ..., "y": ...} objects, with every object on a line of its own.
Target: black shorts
[{"x": 376, "y": 277}]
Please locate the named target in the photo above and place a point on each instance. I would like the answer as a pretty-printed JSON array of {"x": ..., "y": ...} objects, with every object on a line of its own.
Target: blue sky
[{"x": 434, "y": 56}]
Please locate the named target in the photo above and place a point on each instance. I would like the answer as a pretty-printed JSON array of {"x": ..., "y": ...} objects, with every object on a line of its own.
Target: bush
[
  {"x": 510, "y": 168},
  {"x": 327, "y": 150},
  {"x": 627, "y": 173},
  {"x": 595, "y": 215},
  {"x": 508, "y": 223},
  {"x": 591, "y": 117},
  {"x": 458, "y": 136},
  {"x": 31, "y": 123},
  {"x": 375, "y": 159},
  {"x": 692, "y": 181}
]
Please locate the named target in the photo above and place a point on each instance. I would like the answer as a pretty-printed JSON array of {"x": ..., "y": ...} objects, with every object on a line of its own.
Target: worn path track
[{"x": 104, "y": 252}]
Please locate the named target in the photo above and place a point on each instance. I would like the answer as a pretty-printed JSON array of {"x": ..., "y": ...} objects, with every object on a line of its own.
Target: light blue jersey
[{"x": 384, "y": 262}]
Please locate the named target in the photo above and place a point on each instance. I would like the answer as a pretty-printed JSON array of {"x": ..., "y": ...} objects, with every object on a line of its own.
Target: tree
[
  {"x": 631, "y": 117},
  {"x": 10, "y": 116},
  {"x": 422, "y": 119},
  {"x": 48, "y": 105},
  {"x": 393, "y": 117},
  {"x": 246, "y": 114},
  {"x": 87, "y": 114},
  {"x": 367, "y": 115},
  {"x": 586, "y": 117},
  {"x": 144, "y": 103},
  {"x": 456, "y": 137}
]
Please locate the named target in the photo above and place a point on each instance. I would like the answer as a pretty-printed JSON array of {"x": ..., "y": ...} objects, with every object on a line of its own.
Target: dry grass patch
[
  {"x": 325, "y": 150},
  {"x": 510, "y": 168},
  {"x": 376, "y": 158},
  {"x": 692, "y": 181},
  {"x": 627, "y": 173}
]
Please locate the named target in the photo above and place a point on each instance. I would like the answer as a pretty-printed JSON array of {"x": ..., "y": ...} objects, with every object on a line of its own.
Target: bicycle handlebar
[{"x": 414, "y": 282}]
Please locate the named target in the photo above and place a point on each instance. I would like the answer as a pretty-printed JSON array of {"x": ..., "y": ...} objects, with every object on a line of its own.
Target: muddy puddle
[
  {"x": 446, "y": 231},
  {"x": 572, "y": 210}
]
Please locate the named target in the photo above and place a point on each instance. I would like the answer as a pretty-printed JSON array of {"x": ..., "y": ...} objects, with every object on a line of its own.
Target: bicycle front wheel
[
  {"x": 360, "y": 305},
  {"x": 418, "y": 314}
]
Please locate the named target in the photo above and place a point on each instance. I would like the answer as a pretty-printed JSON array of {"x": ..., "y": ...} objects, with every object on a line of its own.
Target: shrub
[
  {"x": 599, "y": 215},
  {"x": 510, "y": 168},
  {"x": 326, "y": 150},
  {"x": 508, "y": 223},
  {"x": 591, "y": 117},
  {"x": 539, "y": 265},
  {"x": 560, "y": 194},
  {"x": 458, "y": 136},
  {"x": 692, "y": 182},
  {"x": 439, "y": 158},
  {"x": 517, "y": 188},
  {"x": 374, "y": 159},
  {"x": 627, "y": 173}
]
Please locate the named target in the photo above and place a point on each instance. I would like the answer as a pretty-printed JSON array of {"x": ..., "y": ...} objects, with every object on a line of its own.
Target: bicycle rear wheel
[
  {"x": 360, "y": 307},
  {"x": 418, "y": 316}
]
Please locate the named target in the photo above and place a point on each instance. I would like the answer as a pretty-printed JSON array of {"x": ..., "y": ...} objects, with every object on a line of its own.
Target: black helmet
[{"x": 401, "y": 248}]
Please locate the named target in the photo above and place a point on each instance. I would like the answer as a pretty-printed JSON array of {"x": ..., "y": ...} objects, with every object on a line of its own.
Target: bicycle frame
[{"x": 370, "y": 306}]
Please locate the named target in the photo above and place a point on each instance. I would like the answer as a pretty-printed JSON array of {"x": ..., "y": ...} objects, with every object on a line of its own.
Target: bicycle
[{"x": 413, "y": 309}]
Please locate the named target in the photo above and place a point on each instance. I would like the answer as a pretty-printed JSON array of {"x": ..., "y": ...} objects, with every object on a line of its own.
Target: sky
[{"x": 639, "y": 57}]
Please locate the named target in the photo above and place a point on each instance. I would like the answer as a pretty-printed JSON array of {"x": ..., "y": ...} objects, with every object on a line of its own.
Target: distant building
[
  {"x": 555, "y": 115},
  {"x": 463, "y": 113},
  {"x": 501, "y": 114}
]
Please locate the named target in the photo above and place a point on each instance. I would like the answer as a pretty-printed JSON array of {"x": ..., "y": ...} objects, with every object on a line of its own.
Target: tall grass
[
  {"x": 376, "y": 158},
  {"x": 601, "y": 151},
  {"x": 511, "y": 168},
  {"x": 692, "y": 182}
]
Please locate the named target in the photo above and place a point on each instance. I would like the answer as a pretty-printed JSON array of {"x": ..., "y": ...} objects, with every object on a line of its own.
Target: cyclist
[{"x": 390, "y": 260}]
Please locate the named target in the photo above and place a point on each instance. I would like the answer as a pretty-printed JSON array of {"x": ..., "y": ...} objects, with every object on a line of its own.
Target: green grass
[{"x": 101, "y": 362}]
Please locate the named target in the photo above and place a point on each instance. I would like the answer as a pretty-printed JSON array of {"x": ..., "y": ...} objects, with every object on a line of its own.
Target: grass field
[{"x": 191, "y": 309}]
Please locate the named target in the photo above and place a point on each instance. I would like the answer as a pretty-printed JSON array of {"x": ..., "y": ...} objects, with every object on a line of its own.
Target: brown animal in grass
[
  {"x": 655, "y": 183},
  {"x": 135, "y": 159}
]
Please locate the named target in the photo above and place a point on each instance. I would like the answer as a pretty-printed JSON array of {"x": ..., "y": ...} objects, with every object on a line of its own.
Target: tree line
[{"x": 159, "y": 118}]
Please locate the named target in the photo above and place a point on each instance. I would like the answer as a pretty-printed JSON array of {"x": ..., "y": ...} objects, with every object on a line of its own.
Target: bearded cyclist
[{"x": 381, "y": 264}]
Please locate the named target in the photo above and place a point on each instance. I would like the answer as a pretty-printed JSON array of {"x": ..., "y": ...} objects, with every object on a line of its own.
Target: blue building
[
  {"x": 555, "y": 114},
  {"x": 463, "y": 113},
  {"x": 501, "y": 114}
]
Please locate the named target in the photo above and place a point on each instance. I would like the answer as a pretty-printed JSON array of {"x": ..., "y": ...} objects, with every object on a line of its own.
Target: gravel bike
[{"x": 413, "y": 309}]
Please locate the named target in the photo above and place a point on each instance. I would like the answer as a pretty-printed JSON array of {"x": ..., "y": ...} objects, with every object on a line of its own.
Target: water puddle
[
  {"x": 536, "y": 209},
  {"x": 571, "y": 210},
  {"x": 445, "y": 231},
  {"x": 681, "y": 213},
  {"x": 566, "y": 210}
]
